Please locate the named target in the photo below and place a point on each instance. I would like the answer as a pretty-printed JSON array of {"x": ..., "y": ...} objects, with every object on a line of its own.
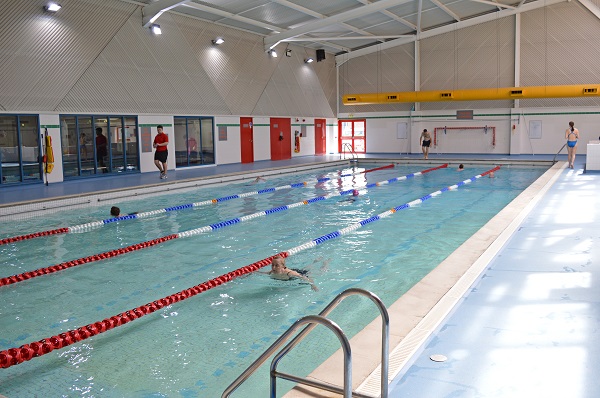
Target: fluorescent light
[
  {"x": 155, "y": 28},
  {"x": 52, "y": 7},
  {"x": 308, "y": 60},
  {"x": 218, "y": 40}
]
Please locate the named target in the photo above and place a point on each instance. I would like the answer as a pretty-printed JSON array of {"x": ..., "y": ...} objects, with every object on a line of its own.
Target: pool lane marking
[
  {"x": 96, "y": 224},
  {"x": 369, "y": 220},
  {"x": 9, "y": 280},
  {"x": 17, "y": 355}
]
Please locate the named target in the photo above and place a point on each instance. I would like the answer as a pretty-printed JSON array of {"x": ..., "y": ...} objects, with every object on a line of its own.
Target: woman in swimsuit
[
  {"x": 572, "y": 135},
  {"x": 281, "y": 272}
]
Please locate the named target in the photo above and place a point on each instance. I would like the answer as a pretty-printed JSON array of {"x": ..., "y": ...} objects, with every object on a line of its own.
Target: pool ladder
[
  {"x": 555, "y": 156},
  {"x": 348, "y": 148},
  {"x": 312, "y": 321}
]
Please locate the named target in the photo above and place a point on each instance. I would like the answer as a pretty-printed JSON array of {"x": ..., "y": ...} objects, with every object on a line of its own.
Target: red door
[
  {"x": 247, "y": 138},
  {"x": 281, "y": 138},
  {"x": 320, "y": 137},
  {"x": 352, "y": 136}
]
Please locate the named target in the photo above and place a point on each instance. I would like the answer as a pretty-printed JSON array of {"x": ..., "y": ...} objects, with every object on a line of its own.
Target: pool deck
[{"x": 514, "y": 310}]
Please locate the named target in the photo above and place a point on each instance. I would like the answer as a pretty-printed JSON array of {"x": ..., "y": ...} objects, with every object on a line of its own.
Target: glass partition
[
  {"x": 94, "y": 145},
  {"x": 20, "y": 149},
  {"x": 194, "y": 141}
]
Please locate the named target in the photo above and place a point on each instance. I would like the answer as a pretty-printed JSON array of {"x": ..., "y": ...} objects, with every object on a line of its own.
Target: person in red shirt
[
  {"x": 101, "y": 148},
  {"x": 161, "y": 141}
]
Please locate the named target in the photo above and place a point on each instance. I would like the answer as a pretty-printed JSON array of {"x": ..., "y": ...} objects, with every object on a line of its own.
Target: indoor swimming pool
[{"x": 196, "y": 347}]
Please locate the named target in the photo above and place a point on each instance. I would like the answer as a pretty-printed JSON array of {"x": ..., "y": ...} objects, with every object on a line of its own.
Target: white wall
[
  {"x": 54, "y": 132},
  {"x": 262, "y": 138},
  {"x": 147, "y": 158},
  {"x": 382, "y": 130},
  {"x": 228, "y": 151}
]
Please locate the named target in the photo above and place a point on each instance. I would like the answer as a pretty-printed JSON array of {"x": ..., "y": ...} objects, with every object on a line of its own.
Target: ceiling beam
[
  {"x": 346, "y": 38},
  {"x": 152, "y": 11},
  {"x": 493, "y": 3},
  {"x": 231, "y": 15},
  {"x": 593, "y": 8},
  {"x": 315, "y": 14},
  {"x": 342, "y": 58},
  {"x": 273, "y": 40},
  {"x": 393, "y": 16},
  {"x": 446, "y": 9}
]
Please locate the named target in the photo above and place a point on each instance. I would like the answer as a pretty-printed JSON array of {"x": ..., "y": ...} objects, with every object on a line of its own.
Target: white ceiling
[{"x": 341, "y": 26}]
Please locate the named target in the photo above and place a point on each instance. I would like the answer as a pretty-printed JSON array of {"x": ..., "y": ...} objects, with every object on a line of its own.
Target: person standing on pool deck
[
  {"x": 425, "y": 142},
  {"x": 161, "y": 141},
  {"x": 572, "y": 135}
]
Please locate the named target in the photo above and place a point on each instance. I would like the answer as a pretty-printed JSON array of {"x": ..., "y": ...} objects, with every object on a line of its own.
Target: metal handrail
[
  {"x": 346, "y": 145},
  {"x": 313, "y": 320},
  {"x": 561, "y": 148}
]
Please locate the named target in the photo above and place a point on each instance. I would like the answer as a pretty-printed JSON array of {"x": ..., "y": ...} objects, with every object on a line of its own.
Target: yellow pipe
[{"x": 511, "y": 93}]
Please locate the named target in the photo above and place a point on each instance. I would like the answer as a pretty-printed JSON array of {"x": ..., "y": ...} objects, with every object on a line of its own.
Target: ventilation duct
[{"x": 480, "y": 94}]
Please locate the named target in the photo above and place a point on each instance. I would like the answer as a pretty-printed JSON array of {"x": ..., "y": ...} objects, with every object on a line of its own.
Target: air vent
[
  {"x": 590, "y": 91},
  {"x": 446, "y": 95},
  {"x": 351, "y": 99},
  {"x": 516, "y": 93},
  {"x": 392, "y": 97}
]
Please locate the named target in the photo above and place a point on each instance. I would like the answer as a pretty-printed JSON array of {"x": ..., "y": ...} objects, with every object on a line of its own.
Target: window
[
  {"x": 352, "y": 136},
  {"x": 99, "y": 145},
  {"x": 20, "y": 149},
  {"x": 194, "y": 141}
]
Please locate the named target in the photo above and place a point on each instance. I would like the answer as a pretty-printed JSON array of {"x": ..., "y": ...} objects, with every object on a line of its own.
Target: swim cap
[{"x": 354, "y": 192}]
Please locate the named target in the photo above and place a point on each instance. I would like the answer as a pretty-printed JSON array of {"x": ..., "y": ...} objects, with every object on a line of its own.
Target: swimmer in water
[
  {"x": 281, "y": 272},
  {"x": 351, "y": 199}
]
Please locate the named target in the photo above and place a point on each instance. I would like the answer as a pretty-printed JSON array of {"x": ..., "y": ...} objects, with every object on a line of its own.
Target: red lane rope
[
  {"x": 389, "y": 166},
  {"x": 34, "y": 235},
  {"x": 84, "y": 260},
  {"x": 435, "y": 168},
  {"x": 15, "y": 356}
]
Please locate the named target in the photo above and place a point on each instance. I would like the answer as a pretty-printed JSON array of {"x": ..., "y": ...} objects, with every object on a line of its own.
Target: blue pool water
[{"x": 197, "y": 347}]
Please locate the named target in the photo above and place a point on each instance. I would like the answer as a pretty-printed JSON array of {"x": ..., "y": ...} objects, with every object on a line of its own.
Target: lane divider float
[
  {"x": 151, "y": 213},
  {"x": 26, "y": 352},
  {"x": 208, "y": 228}
]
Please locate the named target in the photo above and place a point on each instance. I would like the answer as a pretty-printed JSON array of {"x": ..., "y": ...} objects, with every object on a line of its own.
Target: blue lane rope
[
  {"x": 95, "y": 224},
  {"x": 274, "y": 210},
  {"x": 355, "y": 226}
]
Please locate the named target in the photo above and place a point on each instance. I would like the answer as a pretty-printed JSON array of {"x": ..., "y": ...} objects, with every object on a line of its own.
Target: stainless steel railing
[
  {"x": 561, "y": 148},
  {"x": 348, "y": 147},
  {"x": 312, "y": 321}
]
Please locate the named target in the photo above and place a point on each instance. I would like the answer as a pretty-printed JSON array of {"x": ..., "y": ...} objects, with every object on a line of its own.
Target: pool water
[{"x": 195, "y": 348}]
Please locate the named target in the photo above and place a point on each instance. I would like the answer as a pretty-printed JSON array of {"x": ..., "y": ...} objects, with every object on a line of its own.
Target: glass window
[
  {"x": 99, "y": 144},
  {"x": 30, "y": 148},
  {"x": 130, "y": 134},
  {"x": 194, "y": 141},
  {"x": 20, "y": 158},
  {"x": 208, "y": 146}
]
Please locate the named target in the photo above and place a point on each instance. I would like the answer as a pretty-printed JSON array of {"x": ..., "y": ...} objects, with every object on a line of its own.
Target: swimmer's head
[
  {"x": 277, "y": 260},
  {"x": 355, "y": 192}
]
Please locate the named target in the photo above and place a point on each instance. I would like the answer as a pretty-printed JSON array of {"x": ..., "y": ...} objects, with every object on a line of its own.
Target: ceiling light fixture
[
  {"x": 218, "y": 40},
  {"x": 155, "y": 28},
  {"x": 52, "y": 7},
  {"x": 288, "y": 53},
  {"x": 273, "y": 53},
  {"x": 308, "y": 60}
]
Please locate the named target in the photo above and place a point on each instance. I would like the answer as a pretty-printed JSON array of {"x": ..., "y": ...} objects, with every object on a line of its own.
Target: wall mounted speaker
[{"x": 320, "y": 55}]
